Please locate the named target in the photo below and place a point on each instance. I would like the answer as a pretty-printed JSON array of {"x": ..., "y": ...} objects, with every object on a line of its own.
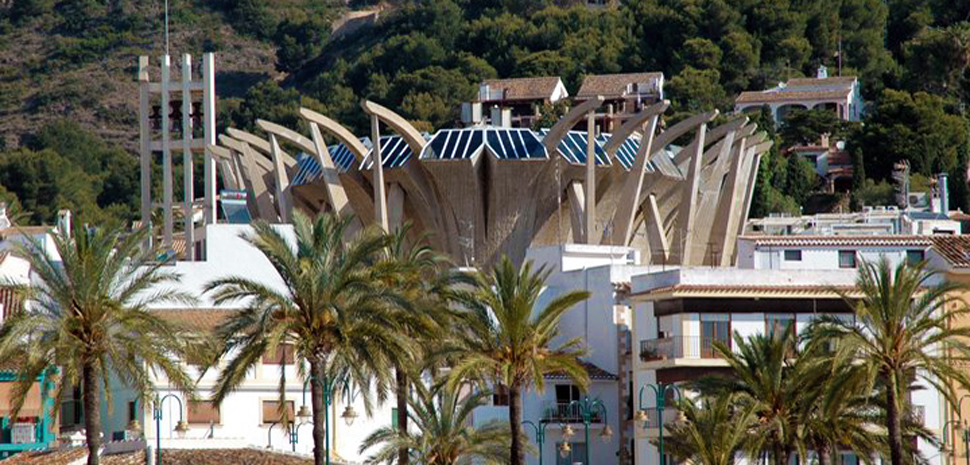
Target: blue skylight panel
[
  {"x": 307, "y": 170},
  {"x": 454, "y": 144},
  {"x": 514, "y": 144},
  {"x": 395, "y": 151}
]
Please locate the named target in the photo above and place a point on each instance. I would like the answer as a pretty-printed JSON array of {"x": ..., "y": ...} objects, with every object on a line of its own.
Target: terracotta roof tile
[
  {"x": 523, "y": 88},
  {"x": 613, "y": 85},
  {"x": 847, "y": 241},
  {"x": 11, "y": 300},
  {"x": 248, "y": 456},
  {"x": 954, "y": 249},
  {"x": 747, "y": 289},
  {"x": 196, "y": 318},
  {"x": 594, "y": 371},
  {"x": 811, "y": 82},
  {"x": 773, "y": 96}
]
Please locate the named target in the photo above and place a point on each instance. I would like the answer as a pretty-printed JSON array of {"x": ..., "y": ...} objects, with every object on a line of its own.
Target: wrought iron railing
[{"x": 563, "y": 412}]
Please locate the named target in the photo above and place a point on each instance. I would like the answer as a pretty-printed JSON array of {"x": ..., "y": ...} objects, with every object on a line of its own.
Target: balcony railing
[
  {"x": 562, "y": 412},
  {"x": 679, "y": 347}
]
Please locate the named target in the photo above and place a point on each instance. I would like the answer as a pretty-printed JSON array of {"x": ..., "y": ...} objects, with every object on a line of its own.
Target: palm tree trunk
[
  {"x": 92, "y": 411},
  {"x": 318, "y": 371},
  {"x": 893, "y": 423},
  {"x": 822, "y": 454},
  {"x": 402, "y": 413},
  {"x": 515, "y": 422}
]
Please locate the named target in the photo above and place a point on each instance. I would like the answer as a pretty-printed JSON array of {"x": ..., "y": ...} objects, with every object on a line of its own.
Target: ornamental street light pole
[
  {"x": 329, "y": 386},
  {"x": 180, "y": 428},
  {"x": 540, "y": 431},
  {"x": 587, "y": 410},
  {"x": 660, "y": 390}
]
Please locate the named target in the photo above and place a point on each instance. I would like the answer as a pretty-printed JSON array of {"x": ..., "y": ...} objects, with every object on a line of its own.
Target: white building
[
  {"x": 839, "y": 94},
  {"x": 678, "y": 314},
  {"x": 246, "y": 417}
]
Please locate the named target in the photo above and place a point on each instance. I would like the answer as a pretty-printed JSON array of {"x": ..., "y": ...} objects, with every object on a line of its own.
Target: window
[
  {"x": 576, "y": 454},
  {"x": 847, "y": 259},
  {"x": 714, "y": 327},
  {"x": 566, "y": 393},
  {"x": 915, "y": 256},
  {"x": 277, "y": 358},
  {"x": 204, "y": 412},
  {"x": 776, "y": 323},
  {"x": 394, "y": 418},
  {"x": 271, "y": 413},
  {"x": 793, "y": 255},
  {"x": 500, "y": 398},
  {"x": 132, "y": 411}
]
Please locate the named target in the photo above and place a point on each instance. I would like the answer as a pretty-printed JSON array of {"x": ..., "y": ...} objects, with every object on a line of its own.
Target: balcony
[
  {"x": 562, "y": 412},
  {"x": 675, "y": 347}
]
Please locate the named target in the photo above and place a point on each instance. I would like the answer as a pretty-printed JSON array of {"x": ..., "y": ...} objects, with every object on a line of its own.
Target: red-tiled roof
[
  {"x": 613, "y": 85},
  {"x": 536, "y": 88},
  {"x": 247, "y": 456},
  {"x": 794, "y": 95},
  {"x": 815, "y": 82},
  {"x": 595, "y": 373},
  {"x": 836, "y": 241},
  {"x": 954, "y": 249}
]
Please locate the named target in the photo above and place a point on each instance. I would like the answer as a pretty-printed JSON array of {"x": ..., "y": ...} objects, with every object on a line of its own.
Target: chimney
[
  {"x": 825, "y": 140},
  {"x": 64, "y": 221},
  {"x": 823, "y": 72},
  {"x": 4, "y": 220},
  {"x": 944, "y": 193}
]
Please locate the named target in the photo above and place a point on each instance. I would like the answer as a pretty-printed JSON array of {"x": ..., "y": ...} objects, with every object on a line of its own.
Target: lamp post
[
  {"x": 349, "y": 415},
  {"x": 180, "y": 428},
  {"x": 587, "y": 409},
  {"x": 540, "y": 431},
  {"x": 660, "y": 390},
  {"x": 945, "y": 436}
]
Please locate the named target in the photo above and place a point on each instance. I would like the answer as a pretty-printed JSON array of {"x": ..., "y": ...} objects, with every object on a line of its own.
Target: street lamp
[
  {"x": 180, "y": 428},
  {"x": 587, "y": 409},
  {"x": 953, "y": 452},
  {"x": 540, "y": 431},
  {"x": 660, "y": 390},
  {"x": 329, "y": 386}
]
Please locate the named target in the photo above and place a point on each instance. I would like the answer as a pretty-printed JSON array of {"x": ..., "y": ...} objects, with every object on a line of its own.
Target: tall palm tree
[
  {"x": 902, "y": 331},
  {"x": 88, "y": 318},
  {"x": 765, "y": 379},
  {"x": 504, "y": 339},
  {"x": 714, "y": 432},
  {"x": 328, "y": 309},
  {"x": 420, "y": 279},
  {"x": 443, "y": 433},
  {"x": 835, "y": 408}
]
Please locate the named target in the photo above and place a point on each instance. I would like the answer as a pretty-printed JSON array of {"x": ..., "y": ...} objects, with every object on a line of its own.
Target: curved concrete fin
[
  {"x": 261, "y": 145},
  {"x": 285, "y": 133},
  {"x": 400, "y": 125},
  {"x": 253, "y": 177},
  {"x": 626, "y": 208},
  {"x": 636, "y": 122},
  {"x": 682, "y": 128},
  {"x": 341, "y": 133},
  {"x": 555, "y": 135},
  {"x": 719, "y": 132}
]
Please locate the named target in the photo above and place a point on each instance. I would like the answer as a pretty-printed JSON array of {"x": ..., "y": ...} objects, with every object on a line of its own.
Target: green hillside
[{"x": 73, "y": 60}]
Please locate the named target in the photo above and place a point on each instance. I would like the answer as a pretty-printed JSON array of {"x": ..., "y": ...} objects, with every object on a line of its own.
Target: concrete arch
[
  {"x": 400, "y": 125},
  {"x": 783, "y": 110},
  {"x": 342, "y": 134},
  {"x": 261, "y": 145},
  {"x": 633, "y": 124},
  {"x": 561, "y": 128},
  {"x": 253, "y": 177}
]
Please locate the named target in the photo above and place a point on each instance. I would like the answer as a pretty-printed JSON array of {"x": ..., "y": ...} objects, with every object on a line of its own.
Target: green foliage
[
  {"x": 805, "y": 127},
  {"x": 90, "y": 319},
  {"x": 918, "y": 127}
]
